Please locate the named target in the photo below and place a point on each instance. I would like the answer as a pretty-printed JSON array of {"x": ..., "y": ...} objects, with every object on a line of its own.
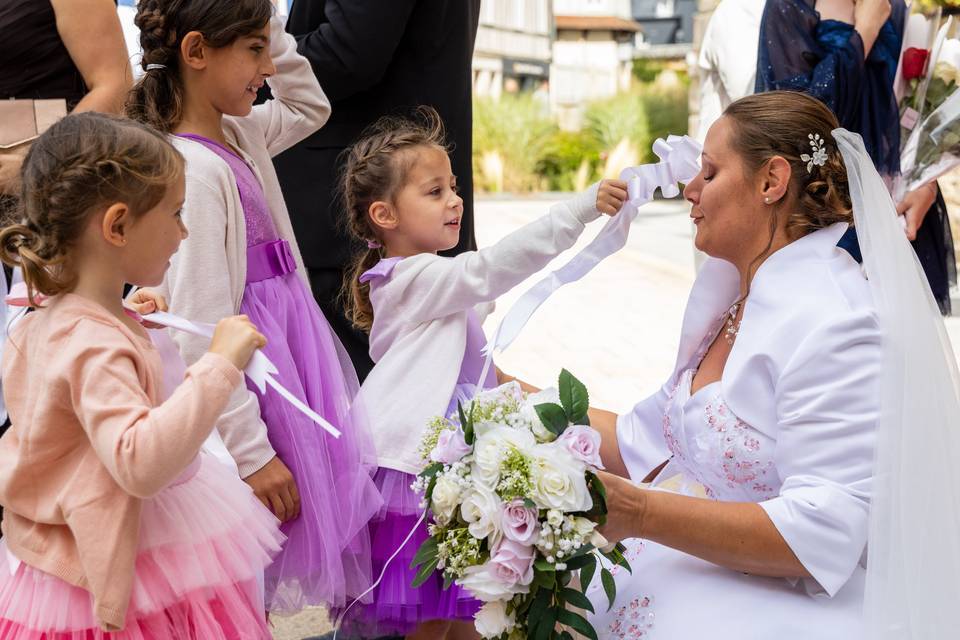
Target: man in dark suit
[{"x": 373, "y": 58}]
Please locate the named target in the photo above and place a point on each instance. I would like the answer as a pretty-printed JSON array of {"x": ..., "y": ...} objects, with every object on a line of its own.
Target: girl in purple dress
[
  {"x": 423, "y": 313},
  {"x": 204, "y": 62}
]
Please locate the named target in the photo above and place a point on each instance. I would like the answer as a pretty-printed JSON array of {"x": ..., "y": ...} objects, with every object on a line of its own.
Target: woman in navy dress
[{"x": 846, "y": 54}]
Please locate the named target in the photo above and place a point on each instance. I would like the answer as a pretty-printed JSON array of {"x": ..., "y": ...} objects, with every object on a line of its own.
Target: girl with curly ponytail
[
  {"x": 205, "y": 61},
  {"x": 113, "y": 522}
]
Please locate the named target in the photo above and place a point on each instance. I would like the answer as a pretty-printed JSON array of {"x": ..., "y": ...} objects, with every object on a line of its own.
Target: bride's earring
[{"x": 766, "y": 200}]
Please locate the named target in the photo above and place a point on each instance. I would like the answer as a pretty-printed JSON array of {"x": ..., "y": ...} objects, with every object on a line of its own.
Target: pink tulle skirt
[{"x": 204, "y": 542}]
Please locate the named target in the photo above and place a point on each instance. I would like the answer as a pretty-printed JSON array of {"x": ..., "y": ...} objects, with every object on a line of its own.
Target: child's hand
[
  {"x": 277, "y": 490},
  {"x": 610, "y": 196},
  {"x": 236, "y": 339},
  {"x": 145, "y": 301}
]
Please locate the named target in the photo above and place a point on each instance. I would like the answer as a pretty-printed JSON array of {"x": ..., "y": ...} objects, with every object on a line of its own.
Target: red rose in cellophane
[{"x": 914, "y": 61}]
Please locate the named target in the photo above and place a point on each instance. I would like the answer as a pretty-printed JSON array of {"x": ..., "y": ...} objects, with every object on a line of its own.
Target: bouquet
[
  {"x": 514, "y": 500},
  {"x": 927, "y": 91}
]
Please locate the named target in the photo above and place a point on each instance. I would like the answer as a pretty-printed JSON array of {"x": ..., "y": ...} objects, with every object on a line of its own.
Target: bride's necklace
[{"x": 733, "y": 325}]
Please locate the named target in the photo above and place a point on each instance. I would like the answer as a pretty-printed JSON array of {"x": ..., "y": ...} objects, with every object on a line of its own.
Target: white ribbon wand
[
  {"x": 260, "y": 369},
  {"x": 679, "y": 162}
]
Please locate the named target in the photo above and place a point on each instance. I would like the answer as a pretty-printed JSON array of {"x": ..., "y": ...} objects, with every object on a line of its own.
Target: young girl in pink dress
[
  {"x": 423, "y": 313},
  {"x": 114, "y": 527}
]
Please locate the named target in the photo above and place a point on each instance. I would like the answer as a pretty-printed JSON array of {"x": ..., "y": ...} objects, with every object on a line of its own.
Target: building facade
[
  {"x": 593, "y": 54},
  {"x": 513, "y": 48}
]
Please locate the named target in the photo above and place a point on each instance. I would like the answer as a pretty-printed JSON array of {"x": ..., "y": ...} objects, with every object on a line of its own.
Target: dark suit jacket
[{"x": 376, "y": 57}]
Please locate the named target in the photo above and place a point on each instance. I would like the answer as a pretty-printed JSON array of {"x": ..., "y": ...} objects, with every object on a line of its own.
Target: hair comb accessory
[
  {"x": 156, "y": 67},
  {"x": 373, "y": 244},
  {"x": 819, "y": 156}
]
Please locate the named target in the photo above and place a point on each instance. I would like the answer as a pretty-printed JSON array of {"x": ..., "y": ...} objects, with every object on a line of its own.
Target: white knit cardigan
[
  {"x": 419, "y": 330},
  {"x": 206, "y": 278}
]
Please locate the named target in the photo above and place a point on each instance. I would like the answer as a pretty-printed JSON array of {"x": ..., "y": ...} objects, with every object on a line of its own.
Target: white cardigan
[
  {"x": 206, "y": 278},
  {"x": 420, "y": 324}
]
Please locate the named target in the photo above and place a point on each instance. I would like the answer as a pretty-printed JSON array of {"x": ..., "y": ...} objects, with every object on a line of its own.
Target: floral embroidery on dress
[
  {"x": 633, "y": 620},
  {"x": 738, "y": 450}
]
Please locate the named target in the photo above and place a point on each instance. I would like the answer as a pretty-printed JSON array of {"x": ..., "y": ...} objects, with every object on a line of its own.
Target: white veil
[{"x": 913, "y": 570}]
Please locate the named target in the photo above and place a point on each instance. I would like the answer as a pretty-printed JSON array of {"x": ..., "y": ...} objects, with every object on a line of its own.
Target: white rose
[
  {"x": 554, "y": 518},
  {"x": 529, "y": 413},
  {"x": 485, "y": 586},
  {"x": 582, "y": 526},
  {"x": 492, "y": 619},
  {"x": 445, "y": 498},
  {"x": 559, "y": 482},
  {"x": 490, "y": 447},
  {"x": 599, "y": 542},
  {"x": 481, "y": 509}
]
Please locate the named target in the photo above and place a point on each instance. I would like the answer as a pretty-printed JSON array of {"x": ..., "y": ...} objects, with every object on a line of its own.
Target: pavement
[{"x": 617, "y": 329}]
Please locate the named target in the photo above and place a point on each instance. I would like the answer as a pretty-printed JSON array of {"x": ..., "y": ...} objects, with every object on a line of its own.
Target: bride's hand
[
  {"x": 625, "y": 508},
  {"x": 610, "y": 196}
]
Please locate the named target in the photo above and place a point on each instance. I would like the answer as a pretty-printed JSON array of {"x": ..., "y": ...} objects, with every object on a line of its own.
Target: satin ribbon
[
  {"x": 679, "y": 162},
  {"x": 260, "y": 369}
]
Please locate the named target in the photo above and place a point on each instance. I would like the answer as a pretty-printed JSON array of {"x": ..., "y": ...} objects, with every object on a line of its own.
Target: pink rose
[
  {"x": 512, "y": 563},
  {"x": 519, "y": 523},
  {"x": 584, "y": 443},
  {"x": 451, "y": 446}
]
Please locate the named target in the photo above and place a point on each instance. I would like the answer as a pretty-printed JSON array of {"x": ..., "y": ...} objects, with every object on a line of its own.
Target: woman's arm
[
  {"x": 91, "y": 32},
  {"x": 736, "y": 535}
]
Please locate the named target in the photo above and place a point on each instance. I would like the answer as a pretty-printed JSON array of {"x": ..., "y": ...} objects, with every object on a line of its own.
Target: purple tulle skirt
[
  {"x": 397, "y": 608},
  {"x": 326, "y": 559}
]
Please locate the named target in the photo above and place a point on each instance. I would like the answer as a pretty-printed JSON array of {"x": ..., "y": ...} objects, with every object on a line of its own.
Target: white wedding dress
[{"x": 790, "y": 426}]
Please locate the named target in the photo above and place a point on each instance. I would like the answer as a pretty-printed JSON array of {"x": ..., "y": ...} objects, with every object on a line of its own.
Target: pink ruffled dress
[{"x": 204, "y": 543}]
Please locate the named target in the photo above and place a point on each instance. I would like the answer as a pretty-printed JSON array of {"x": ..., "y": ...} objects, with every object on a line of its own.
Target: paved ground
[{"x": 617, "y": 329}]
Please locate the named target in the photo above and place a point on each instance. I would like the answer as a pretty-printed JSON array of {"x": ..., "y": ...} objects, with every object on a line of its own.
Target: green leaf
[
  {"x": 545, "y": 579},
  {"x": 552, "y": 416},
  {"x": 598, "y": 494},
  {"x": 574, "y": 398},
  {"x": 578, "y": 562},
  {"x": 577, "y": 599},
  {"x": 423, "y": 574},
  {"x": 431, "y": 470},
  {"x": 467, "y": 425},
  {"x": 587, "y": 572},
  {"x": 539, "y": 606},
  {"x": 542, "y": 565},
  {"x": 565, "y": 636},
  {"x": 609, "y": 586},
  {"x": 578, "y": 623},
  {"x": 546, "y": 624},
  {"x": 529, "y": 504},
  {"x": 429, "y": 550},
  {"x": 447, "y": 581}
]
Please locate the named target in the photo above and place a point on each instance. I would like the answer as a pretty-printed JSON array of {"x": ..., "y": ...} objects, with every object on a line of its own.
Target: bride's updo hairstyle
[{"x": 780, "y": 123}]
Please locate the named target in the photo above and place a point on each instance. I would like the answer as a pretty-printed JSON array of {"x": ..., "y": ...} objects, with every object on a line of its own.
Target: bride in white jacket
[{"x": 792, "y": 412}]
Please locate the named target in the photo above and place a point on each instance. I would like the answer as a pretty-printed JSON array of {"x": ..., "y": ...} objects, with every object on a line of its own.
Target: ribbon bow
[{"x": 679, "y": 162}]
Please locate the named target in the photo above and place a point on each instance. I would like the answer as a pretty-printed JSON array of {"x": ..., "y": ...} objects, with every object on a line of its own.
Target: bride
[{"x": 809, "y": 411}]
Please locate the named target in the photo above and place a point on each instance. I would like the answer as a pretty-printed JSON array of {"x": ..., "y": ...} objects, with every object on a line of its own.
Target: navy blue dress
[{"x": 824, "y": 58}]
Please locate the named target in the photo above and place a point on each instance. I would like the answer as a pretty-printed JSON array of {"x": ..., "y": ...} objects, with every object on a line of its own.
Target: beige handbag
[{"x": 21, "y": 122}]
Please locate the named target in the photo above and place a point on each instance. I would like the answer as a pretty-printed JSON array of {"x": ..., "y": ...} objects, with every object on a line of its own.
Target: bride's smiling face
[{"x": 731, "y": 218}]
